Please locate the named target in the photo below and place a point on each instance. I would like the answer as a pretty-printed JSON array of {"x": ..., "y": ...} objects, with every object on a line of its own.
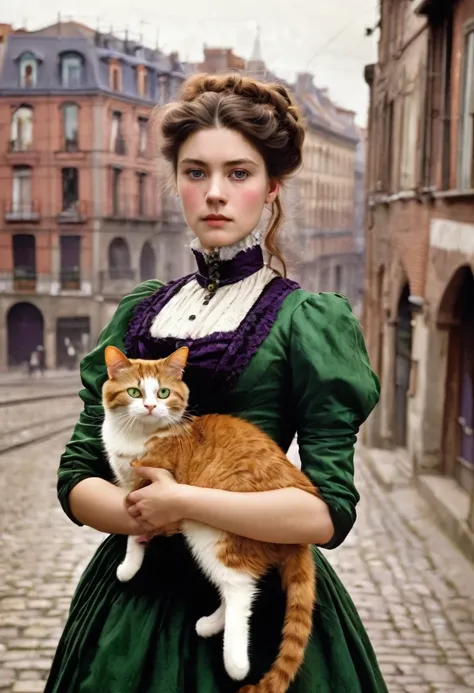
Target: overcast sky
[{"x": 325, "y": 37}]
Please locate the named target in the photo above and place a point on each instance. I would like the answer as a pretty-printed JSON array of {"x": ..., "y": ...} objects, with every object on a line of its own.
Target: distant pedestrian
[
  {"x": 33, "y": 364},
  {"x": 71, "y": 357},
  {"x": 42, "y": 358}
]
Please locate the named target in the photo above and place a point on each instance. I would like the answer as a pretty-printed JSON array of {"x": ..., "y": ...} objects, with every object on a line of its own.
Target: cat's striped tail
[{"x": 298, "y": 575}]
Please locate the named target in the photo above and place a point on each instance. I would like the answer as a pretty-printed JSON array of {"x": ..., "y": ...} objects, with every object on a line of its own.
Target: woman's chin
[{"x": 219, "y": 238}]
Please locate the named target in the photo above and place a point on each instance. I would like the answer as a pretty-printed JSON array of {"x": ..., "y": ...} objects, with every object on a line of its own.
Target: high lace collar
[
  {"x": 230, "y": 264},
  {"x": 229, "y": 252}
]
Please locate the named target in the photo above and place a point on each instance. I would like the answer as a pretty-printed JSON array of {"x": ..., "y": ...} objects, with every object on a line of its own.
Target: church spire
[
  {"x": 257, "y": 48},
  {"x": 256, "y": 64}
]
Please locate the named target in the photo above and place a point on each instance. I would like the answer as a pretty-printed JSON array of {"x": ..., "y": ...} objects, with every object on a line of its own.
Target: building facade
[
  {"x": 326, "y": 217},
  {"x": 419, "y": 312},
  {"x": 84, "y": 214}
]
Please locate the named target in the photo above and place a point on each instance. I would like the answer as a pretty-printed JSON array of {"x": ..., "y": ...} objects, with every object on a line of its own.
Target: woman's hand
[{"x": 158, "y": 506}]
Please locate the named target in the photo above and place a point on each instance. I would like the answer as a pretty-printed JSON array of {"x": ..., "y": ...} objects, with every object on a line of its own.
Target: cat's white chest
[{"x": 121, "y": 449}]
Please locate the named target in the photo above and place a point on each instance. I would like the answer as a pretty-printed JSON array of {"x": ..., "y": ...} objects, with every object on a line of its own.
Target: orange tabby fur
[{"x": 225, "y": 452}]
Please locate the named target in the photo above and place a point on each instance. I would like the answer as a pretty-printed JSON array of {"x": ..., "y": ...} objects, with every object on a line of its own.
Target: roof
[{"x": 48, "y": 45}]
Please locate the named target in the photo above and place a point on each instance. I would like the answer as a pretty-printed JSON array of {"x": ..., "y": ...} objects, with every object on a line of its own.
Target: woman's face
[{"x": 223, "y": 186}]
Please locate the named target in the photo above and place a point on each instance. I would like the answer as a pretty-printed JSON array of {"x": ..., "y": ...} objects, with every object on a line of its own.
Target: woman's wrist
[{"x": 187, "y": 500}]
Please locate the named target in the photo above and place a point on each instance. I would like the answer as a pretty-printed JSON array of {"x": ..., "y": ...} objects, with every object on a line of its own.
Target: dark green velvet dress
[{"x": 310, "y": 376}]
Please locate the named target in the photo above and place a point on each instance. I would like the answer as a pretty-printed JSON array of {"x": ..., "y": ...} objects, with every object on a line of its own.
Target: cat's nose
[{"x": 150, "y": 407}]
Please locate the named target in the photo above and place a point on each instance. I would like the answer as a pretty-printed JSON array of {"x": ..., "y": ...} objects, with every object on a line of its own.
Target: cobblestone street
[{"x": 414, "y": 590}]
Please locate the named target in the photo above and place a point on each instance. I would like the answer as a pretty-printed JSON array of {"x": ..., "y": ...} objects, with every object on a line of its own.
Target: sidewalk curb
[{"x": 380, "y": 473}]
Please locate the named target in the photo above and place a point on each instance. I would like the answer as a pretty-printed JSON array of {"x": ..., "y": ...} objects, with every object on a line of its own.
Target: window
[
  {"x": 70, "y": 127},
  {"x": 70, "y": 259},
  {"x": 409, "y": 139},
  {"x": 338, "y": 279},
  {"x": 115, "y": 77},
  {"x": 141, "y": 194},
  {"x": 163, "y": 89},
  {"x": 22, "y": 129},
  {"x": 117, "y": 141},
  {"x": 142, "y": 136},
  {"x": 466, "y": 145},
  {"x": 21, "y": 191},
  {"x": 28, "y": 70},
  {"x": 116, "y": 177},
  {"x": 72, "y": 66},
  {"x": 119, "y": 260},
  {"x": 24, "y": 258},
  {"x": 70, "y": 191},
  {"x": 142, "y": 81}
]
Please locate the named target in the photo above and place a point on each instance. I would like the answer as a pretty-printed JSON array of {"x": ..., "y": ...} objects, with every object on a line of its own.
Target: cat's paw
[
  {"x": 236, "y": 664},
  {"x": 207, "y": 626},
  {"x": 126, "y": 572}
]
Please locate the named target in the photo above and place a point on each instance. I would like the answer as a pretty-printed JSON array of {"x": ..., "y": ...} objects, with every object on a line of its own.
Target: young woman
[{"x": 261, "y": 348}]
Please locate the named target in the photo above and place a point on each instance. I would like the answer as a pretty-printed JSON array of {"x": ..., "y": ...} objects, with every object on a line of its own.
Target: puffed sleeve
[
  {"x": 334, "y": 390},
  {"x": 84, "y": 455}
]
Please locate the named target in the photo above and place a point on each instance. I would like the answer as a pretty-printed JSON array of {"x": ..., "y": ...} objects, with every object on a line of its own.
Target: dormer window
[
  {"x": 28, "y": 70},
  {"x": 115, "y": 76},
  {"x": 72, "y": 69},
  {"x": 142, "y": 81}
]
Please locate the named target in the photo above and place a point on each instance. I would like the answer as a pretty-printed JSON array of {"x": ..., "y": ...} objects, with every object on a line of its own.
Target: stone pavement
[{"x": 415, "y": 591}]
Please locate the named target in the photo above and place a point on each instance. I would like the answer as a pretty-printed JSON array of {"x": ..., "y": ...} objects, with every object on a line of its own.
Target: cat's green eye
[
  {"x": 134, "y": 392},
  {"x": 164, "y": 393}
]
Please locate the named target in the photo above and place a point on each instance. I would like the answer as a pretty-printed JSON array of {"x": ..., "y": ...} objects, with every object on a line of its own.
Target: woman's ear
[{"x": 274, "y": 189}]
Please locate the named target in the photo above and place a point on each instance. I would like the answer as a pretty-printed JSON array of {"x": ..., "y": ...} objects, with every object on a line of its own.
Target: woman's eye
[
  {"x": 164, "y": 393},
  {"x": 195, "y": 174},
  {"x": 134, "y": 392},
  {"x": 240, "y": 174}
]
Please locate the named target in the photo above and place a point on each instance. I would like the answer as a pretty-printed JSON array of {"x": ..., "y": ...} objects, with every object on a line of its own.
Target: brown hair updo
[{"x": 264, "y": 114}]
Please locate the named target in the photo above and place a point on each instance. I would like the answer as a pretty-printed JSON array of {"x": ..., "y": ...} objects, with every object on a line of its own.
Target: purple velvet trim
[
  {"x": 222, "y": 355},
  {"x": 145, "y": 313},
  {"x": 243, "y": 265}
]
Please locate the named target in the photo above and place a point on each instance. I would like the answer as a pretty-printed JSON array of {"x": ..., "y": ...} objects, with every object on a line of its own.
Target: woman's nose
[{"x": 216, "y": 192}]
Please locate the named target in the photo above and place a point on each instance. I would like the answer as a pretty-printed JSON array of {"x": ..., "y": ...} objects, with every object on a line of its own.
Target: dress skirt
[{"x": 140, "y": 637}]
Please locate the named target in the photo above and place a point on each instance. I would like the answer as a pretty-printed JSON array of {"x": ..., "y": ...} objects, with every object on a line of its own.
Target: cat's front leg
[
  {"x": 133, "y": 560},
  {"x": 208, "y": 626}
]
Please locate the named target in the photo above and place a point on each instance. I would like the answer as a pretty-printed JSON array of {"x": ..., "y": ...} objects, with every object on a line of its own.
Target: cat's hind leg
[
  {"x": 133, "y": 560},
  {"x": 208, "y": 626},
  {"x": 238, "y": 593}
]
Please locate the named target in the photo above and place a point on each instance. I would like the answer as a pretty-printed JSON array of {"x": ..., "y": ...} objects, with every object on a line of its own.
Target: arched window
[
  {"x": 72, "y": 70},
  {"x": 28, "y": 70},
  {"x": 21, "y": 138},
  {"x": 119, "y": 259},
  {"x": 147, "y": 262}
]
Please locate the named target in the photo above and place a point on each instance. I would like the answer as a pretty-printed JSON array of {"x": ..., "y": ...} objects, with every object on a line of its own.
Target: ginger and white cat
[{"x": 146, "y": 424}]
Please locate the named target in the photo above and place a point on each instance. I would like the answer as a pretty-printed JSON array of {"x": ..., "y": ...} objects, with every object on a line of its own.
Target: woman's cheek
[
  {"x": 190, "y": 199},
  {"x": 252, "y": 199}
]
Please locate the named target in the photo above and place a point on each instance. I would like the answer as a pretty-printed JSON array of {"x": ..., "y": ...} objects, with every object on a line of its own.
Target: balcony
[
  {"x": 20, "y": 145},
  {"x": 116, "y": 282},
  {"x": 130, "y": 208},
  {"x": 28, "y": 281},
  {"x": 22, "y": 211},
  {"x": 73, "y": 213}
]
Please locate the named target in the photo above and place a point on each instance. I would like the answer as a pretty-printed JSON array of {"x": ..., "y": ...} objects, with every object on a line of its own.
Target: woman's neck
[{"x": 228, "y": 252}]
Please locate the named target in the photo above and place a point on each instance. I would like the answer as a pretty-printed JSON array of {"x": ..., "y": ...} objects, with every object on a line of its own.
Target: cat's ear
[
  {"x": 176, "y": 363},
  {"x": 115, "y": 361}
]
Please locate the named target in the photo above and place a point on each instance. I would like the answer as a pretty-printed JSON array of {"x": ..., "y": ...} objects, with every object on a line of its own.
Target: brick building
[
  {"x": 83, "y": 215},
  {"x": 419, "y": 292}
]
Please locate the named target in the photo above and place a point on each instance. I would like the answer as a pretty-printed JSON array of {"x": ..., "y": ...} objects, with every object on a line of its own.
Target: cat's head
[{"x": 151, "y": 393}]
